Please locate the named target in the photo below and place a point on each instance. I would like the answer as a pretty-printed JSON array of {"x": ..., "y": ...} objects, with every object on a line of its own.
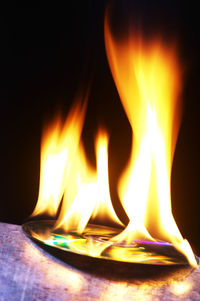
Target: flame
[
  {"x": 59, "y": 146},
  {"x": 66, "y": 175},
  {"x": 147, "y": 77},
  {"x": 87, "y": 192}
]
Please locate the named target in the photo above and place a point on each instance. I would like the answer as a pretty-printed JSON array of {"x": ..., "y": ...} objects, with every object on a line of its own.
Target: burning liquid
[
  {"x": 96, "y": 241},
  {"x": 147, "y": 77}
]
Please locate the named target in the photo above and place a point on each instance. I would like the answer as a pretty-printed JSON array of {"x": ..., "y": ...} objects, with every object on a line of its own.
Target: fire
[
  {"x": 59, "y": 146},
  {"x": 87, "y": 192},
  {"x": 66, "y": 175},
  {"x": 148, "y": 79}
]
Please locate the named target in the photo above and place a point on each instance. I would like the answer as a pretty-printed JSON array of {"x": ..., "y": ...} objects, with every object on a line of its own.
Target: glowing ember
[{"x": 147, "y": 77}]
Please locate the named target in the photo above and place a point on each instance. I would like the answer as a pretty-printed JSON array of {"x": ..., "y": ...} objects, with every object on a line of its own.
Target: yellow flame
[
  {"x": 87, "y": 191},
  {"x": 66, "y": 175},
  {"x": 148, "y": 81},
  {"x": 103, "y": 207},
  {"x": 147, "y": 77},
  {"x": 59, "y": 146}
]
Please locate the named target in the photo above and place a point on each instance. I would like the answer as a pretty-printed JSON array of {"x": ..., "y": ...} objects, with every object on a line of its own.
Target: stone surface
[{"x": 29, "y": 272}]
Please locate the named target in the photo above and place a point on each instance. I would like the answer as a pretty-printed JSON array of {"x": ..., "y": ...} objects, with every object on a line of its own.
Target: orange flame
[
  {"x": 66, "y": 175},
  {"x": 59, "y": 146},
  {"x": 147, "y": 77},
  {"x": 87, "y": 192},
  {"x": 148, "y": 81}
]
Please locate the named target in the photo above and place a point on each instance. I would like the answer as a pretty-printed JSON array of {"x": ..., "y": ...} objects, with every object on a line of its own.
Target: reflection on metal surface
[
  {"x": 96, "y": 241},
  {"x": 120, "y": 291},
  {"x": 60, "y": 276},
  {"x": 180, "y": 288}
]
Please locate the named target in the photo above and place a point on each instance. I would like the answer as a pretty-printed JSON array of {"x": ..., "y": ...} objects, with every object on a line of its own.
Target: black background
[{"x": 46, "y": 54}]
